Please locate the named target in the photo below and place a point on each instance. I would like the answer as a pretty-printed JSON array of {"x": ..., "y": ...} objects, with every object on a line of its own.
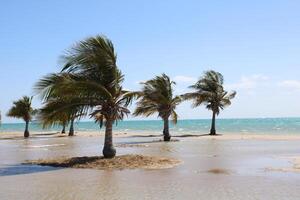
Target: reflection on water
[{"x": 197, "y": 178}]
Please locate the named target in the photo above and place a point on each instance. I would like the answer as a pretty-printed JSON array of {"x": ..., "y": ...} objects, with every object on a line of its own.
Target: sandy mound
[
  {"x": 119, "y": 162},
  {"x": 218, "y": 171}
]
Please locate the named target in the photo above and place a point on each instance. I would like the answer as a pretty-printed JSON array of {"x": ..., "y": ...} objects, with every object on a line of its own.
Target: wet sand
[
  {"x": 226, "y": 136},
  {"x": 220, "y": 167}
]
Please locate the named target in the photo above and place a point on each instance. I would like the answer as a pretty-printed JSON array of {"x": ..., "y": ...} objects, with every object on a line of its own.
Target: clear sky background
[{"x": 254, "y": 44}]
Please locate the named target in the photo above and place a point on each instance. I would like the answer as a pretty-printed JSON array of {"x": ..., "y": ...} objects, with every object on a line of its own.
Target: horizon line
[{"x": 225, "y": 118}]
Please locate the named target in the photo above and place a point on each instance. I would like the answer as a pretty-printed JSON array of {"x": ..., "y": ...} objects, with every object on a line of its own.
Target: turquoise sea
[{"x": 197, "y": 126}]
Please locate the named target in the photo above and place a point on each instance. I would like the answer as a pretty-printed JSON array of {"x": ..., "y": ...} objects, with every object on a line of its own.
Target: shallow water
[
  {"x": 199, "y": 126},
  {"x": 243, "y": 160}
]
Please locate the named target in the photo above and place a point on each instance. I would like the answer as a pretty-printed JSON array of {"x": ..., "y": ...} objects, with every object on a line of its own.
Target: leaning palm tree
[
  {"x": 51, "y": 113},
  {"x": 157, "y": 97},
  {"x": 22, "y": 109},
  {"x": 47, "y": 119},
  {"x": 209, "y": 91},
  {"x": 90, "y": 82}
]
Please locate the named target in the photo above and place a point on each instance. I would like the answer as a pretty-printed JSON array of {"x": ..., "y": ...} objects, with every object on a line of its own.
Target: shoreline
[{"x": 225, "y": 136}]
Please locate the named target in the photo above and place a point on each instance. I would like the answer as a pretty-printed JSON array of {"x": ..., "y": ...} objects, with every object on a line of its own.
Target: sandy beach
[
  {"x": 219, "y": 167},
  {"x": 150, "y": 100}
]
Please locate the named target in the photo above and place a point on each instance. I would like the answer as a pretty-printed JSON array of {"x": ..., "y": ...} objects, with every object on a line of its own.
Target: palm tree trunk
[
  {"x": 213, "y": 124},
  {"x": 71, "y": 131},
  {"x": 166, "y": 132},
  {"x": 108, "y": 150},
  {"x": 26, "y": 132},
  {"x": 63, "y": 131}
]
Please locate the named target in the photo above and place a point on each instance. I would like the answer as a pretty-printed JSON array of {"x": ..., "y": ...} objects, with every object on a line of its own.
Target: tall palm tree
[
  {"x": 157, "y": 97},
  {"x": 22, "y": 109},
  {"x": 210, "y": 92},
  {"x": 90, "y": 81}
]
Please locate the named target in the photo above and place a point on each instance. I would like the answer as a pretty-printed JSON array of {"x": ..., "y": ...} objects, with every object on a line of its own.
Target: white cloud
[
  {"x": 184, "y": 79},
  {"x": 139, "y": 82},
  {"x": 293, "y": 84},
  {"x": 248, "y": 82}
]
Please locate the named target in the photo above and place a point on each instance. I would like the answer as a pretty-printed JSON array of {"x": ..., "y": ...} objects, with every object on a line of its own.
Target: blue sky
[{"x": 254, "y": 44}]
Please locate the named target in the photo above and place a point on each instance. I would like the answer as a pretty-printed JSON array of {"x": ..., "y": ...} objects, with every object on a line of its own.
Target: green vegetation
[
  {"x": 56, "y": 110},
  {"x": 90, "y": 82},
  {"x": 209, "y": 91},
  {"x": 157, "y": 97},
  {"x": 22, "y": 109},
  {"x": 48, "y": 119}
]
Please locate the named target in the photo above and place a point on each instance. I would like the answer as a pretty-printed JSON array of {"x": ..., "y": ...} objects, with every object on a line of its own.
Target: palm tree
[
  {"x": 90, "y": 82},
  {"x": 52, "y": 113},
  {"x": 157, "y": 96},
  {"x": 49, "y": 120},
  {"x": 22, "y": 109},
  {"x": 209, "y": 91},
  {"x": 71, "y": 129}
]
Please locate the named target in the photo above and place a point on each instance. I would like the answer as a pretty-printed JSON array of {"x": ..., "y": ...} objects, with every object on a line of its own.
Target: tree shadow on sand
[
  {"x": 160, "y": 140},
  {"x": 69, "y": 162},
  {"x": 193, "y": 135},
  {"x": 147, "y": 142},
  {"x": 174, "y": 136}
]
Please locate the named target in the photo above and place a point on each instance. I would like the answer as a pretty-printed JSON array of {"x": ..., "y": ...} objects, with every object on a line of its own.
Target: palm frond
[
  {"x": 88, "y": 84},
  {"x": 209, "y": 90},
  {"x": 156, "y": 96},
  {"x": 22, "y": 109},
  {"x": 174, "y": 117}
]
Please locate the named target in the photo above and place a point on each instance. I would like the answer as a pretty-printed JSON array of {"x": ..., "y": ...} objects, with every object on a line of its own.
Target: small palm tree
[
  {"x": 48, "y": 120},
  {"x": 54, "y": 112},
  {"x": 157, "y": 97},
  {"x": 209, "y": 91},
  {"x": 90, "y": 82},
  {"x": 71, "y": 129},
  {"x": 22, "y": 109}
]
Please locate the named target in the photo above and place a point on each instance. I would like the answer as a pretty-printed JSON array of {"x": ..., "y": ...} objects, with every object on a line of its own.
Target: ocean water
[{"x": 199, "y": 126}]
